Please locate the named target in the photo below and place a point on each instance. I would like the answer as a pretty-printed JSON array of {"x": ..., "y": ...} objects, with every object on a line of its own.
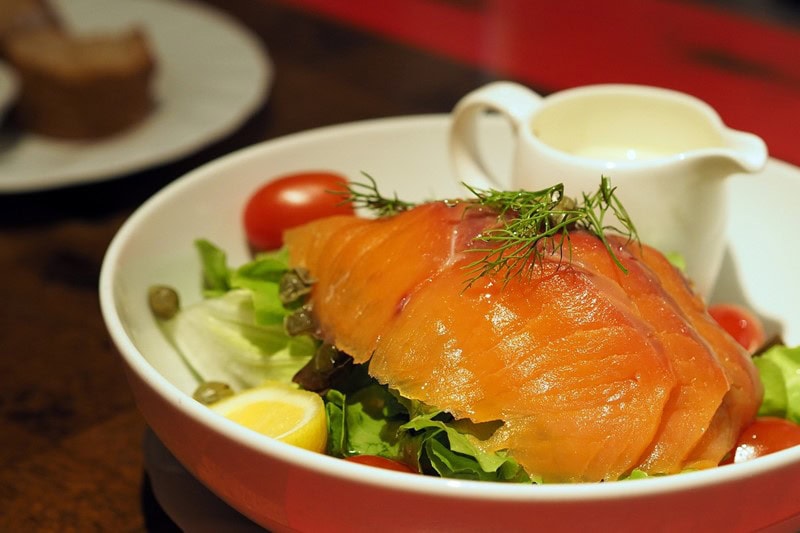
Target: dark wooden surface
[{"x": 70, "y": 435}]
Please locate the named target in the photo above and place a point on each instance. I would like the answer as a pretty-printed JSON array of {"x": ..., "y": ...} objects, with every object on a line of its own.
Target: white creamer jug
[{"x": 667, "y": 153}]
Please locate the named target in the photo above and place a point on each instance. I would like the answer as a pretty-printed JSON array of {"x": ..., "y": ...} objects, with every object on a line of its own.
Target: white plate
[
  {"x": 212, "y": 74},
  {"x": 8, "y": 89},
  {"x": 409, "y": 156}
]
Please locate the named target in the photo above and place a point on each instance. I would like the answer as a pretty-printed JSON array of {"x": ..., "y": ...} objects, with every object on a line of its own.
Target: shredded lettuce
[
  {"x": 236, "y": 334},
  {"x": 779, "y": 368},
  {"x": 221, "y": 340}
]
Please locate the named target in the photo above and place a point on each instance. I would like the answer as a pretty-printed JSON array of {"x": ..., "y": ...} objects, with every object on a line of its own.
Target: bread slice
[
  {"x": 81, "y": 86},
  {"x": 26, "y": 15}
]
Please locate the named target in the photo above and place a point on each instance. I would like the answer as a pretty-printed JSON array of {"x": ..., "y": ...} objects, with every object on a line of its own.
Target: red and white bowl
[{"x": 289, "y": 489}]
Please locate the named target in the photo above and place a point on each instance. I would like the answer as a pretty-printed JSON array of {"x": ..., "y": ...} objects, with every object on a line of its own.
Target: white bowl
[{"x": 290, "y": 489}]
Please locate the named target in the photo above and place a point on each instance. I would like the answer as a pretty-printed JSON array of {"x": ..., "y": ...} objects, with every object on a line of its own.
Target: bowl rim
[{"x": 348, "y": 471}]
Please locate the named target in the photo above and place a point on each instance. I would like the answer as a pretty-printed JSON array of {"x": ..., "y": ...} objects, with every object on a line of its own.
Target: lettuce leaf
[
  {"x": 261, "y": 277},
  {"x": 221, "y": 340},
  {"x": 779, "y": 368},
  {"x": 451, "y": 450},
  {"x": 677, "y": 260},
  {"x": 236, "y": 333},
  {"x": 372, "y": 420},
  {"x": 216, "y": 273},
  {"x": 365, "y": 422}
]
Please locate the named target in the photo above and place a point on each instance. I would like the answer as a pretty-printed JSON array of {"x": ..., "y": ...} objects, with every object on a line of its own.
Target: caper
[
  {"x": 301, "y": 321},
  {"x": 326, "y": 357},
  {"x": 164, "y": 301},
  {"x": 211, "y": 392},
  {"x": 294, "y": 285}
]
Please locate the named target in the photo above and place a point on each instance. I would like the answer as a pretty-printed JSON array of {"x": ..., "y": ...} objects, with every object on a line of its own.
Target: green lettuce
[
  {"x": 779, "y": 368},
  {"x": 365, "y": 422},
  {"x": 236, "y": 334},
  {"x": 373, "y": 420},
  {"x": 261, "y": 277},
  {"x": 451, "y": 449},
  {"x": 677, "y": 260}
]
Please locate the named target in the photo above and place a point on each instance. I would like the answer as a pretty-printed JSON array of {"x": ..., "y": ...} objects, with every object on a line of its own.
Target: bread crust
[
  {"x": 74, "y": 86},
  {"x": 81, "y": 87}
]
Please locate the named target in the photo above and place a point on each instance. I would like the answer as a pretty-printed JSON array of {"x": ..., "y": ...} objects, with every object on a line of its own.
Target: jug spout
[
  {"x": 740, "y": 152},
  {"x": 747, "y": 152}
]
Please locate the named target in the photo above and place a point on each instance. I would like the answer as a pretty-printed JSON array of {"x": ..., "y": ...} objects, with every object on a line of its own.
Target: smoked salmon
[{"x": 592, "y": 370}]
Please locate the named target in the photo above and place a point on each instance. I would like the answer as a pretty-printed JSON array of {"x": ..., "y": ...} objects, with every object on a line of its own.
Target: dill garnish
[
  {"x": 531, "y": 224},
  {"x": 366, "y": 195},
  {"x": 534, "y": 224}
]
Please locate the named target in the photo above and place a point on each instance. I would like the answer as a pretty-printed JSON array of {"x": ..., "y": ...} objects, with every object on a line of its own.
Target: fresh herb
[
  {"x": 366, "y": 195},
  {"x": 532, "y": 224},
  {"x": 535, "y": 224}
]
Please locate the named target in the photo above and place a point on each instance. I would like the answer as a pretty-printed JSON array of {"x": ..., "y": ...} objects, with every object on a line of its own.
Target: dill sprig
[
  {"x": 535, "y": 224},
  {"x": 367, "y": 195},
  {"x": 531, "y": 224}
]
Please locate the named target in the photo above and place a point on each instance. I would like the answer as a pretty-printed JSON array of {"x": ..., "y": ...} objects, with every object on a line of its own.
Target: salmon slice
[
  {"x": 663, "y": 298},
  {"x": 592, "y": 371},
  {"x": 737, "y": 408}
]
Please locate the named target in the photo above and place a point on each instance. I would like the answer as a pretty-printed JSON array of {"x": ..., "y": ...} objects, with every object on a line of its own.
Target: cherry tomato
[
  {"x": 291, "y": 201},
  {"x": 764, "y": 436},
  {"x": 740, "y": 324},
  {"x": 380, "y": 462}
]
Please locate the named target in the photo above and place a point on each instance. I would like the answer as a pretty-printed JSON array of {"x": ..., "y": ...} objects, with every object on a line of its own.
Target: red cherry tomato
[
  {"x": 291, "y": 201},
  {"x": 764, "y": 436},
  {"x": 740, "y": 324},
  {"x": 380, "y": 462}
]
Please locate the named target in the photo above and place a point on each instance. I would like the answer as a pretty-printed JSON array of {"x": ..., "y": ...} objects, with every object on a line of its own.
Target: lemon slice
[{"x": 280, "y": 411}]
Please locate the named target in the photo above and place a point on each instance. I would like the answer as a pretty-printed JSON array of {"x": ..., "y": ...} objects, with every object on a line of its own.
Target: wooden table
[{"x": 71, "y": 437}]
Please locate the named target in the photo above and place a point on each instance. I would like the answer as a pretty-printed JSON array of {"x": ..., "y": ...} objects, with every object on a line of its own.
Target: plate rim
[{"x": 263, "y": 73}]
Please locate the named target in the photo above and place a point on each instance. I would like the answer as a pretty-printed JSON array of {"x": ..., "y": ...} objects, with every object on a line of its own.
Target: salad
[{"x": 254, "y": 326}]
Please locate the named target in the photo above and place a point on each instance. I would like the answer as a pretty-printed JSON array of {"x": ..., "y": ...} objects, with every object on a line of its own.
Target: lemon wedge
[{"x": 281, "y": 411}]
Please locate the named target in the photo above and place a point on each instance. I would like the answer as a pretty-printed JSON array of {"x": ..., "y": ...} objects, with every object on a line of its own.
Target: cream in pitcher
[{"x": 666, "y": 152}]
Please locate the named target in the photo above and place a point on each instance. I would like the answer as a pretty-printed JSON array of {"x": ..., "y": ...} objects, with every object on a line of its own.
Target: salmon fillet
[{"x": 593, "y": 372}]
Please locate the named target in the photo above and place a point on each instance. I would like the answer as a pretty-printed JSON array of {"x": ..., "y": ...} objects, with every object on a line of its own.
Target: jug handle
[{"x": 513, "y": 101}]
